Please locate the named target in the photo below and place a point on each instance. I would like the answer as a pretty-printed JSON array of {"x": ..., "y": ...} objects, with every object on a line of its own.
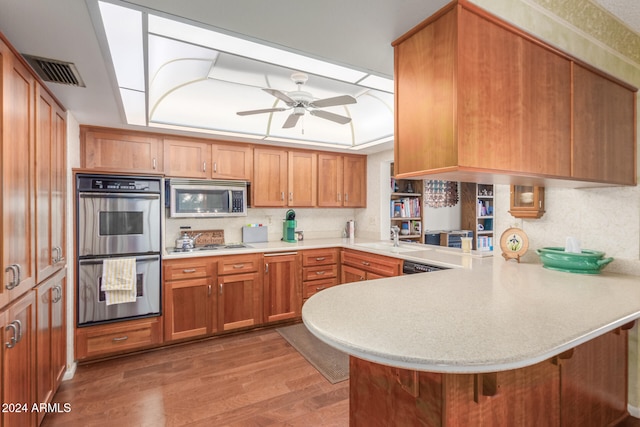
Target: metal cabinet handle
[
  {"x": 320, "y": 273},
  {"x": 215, "y": 167},
  {"x": 19, "y": 273},
  {"x": 58, "y": 255},
  {"x": 15, "y": 276},
  {"x": 320, "y": 259},
  {"x": 339, "y": 197},
  {"x": 366, "y": 263},
  {"x": 238, "y": 266},
  {"x": 346, "y": 197},
  {"x": 204, "y": 166},
  {"x": 266, "y": 268},
  {"x": 209, "y": 292},
  {"x": 58, "y": 294},
  {"x": 220, "y": 288},
  {"x": 155, "y": 163},
  {"x": 319, "y": 288},
  {"x": 13, "y": 341},
  {"x": 189, "y": 270},
  {"x": 118, "y": 339},
  {"x": 291, "y": 196},
  {"x": 282, "y": 195}
]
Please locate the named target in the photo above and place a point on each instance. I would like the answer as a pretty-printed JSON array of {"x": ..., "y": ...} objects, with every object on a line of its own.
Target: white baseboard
[
  {"x": 70, "y": 372},
  {"x": 633, "y": 411}
]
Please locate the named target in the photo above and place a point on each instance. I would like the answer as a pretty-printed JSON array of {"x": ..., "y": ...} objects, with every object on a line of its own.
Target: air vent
[{"x": 51, "y": 70}]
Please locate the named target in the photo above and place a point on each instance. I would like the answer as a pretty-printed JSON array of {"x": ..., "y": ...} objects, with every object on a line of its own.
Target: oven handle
[
  {"x": 118, "y": 196},
  {"x": 100, "y": 260}
]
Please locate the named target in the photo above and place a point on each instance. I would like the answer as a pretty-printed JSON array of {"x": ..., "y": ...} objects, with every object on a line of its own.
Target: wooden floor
[{"x": 253, "y": 379}]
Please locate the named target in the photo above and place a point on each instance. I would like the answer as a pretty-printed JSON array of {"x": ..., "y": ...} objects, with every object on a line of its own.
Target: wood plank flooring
[{"x": 253, "y": 379}]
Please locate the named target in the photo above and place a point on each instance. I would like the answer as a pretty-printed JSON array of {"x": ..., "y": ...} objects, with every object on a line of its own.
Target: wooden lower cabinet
[
  {"x": 190, "y": 298},
  {"x": 239, "y": 291},
  {"x": 117, "y": 338},
  {"x": 586, "y": 386},
  {"x": 18, "y": 333},
  {"x": 51, "y": 337},
  {"x": 282, "y": 287},
  {"x": 320, "y": 270},
  {"x": 357, "y": 266}
]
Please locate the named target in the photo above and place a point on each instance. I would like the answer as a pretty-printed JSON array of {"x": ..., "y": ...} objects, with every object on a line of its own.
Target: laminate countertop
[{"x": 491, "y": 316}]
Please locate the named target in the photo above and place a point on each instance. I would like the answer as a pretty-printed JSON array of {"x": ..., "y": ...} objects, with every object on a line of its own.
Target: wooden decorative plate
[{"x": 514, "y": 243}]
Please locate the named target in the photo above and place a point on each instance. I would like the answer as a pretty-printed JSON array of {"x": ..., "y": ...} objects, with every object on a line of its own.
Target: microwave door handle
[{"x": 230, "y": 205}]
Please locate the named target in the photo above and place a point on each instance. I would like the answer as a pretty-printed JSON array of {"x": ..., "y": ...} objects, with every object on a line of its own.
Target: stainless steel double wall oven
[{"x": 117, "y": 216}]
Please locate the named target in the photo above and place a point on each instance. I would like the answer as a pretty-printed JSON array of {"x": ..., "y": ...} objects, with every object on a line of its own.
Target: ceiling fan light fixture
[{"x": 299, "y": 111}]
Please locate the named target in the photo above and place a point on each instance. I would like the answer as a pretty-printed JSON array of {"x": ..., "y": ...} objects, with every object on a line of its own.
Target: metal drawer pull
[
  {"x": 320, "y": 273},
  {"x": 238, "y": 266},
  {"x": 319, "y": 288},
  {"x": 14, "y": 280},
  {"x": 189, "y": 270},
  {"x": 215, "y": 167},
  {"x": 365, "y": 263},
  {"x": 12, "y": 342},
  {"x": 124, "y": 338},
  {"x": 220, "y": 288},
  {"x": 155, "y": 163},
  {"x": 204, "y": 166},
  {"x": 320, "y": 258}
]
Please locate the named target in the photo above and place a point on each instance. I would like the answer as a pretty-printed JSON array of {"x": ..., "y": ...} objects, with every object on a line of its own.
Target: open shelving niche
[
  {"x": 405, "y": 207},
  {"x": 477, "y": 213}
]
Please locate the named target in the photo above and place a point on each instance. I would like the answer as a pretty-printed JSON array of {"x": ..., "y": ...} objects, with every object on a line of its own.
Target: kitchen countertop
[{"x": 494, "y": 316}]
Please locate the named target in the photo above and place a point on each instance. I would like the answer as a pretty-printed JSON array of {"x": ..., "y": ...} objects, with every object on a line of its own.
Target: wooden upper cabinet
[
  {"x": 302, "y": 182},
  {"x": 18, "y": 130},
  {"x": 120, "y": 151},
  {"x": 604, "y": 132},
  {"x": 231, "y": 162},
  {"x": 476, "y": 97},
  {"x": 342, "y": 180},
  {"x": 355, "y": 181},
  {"x": 514, "y": 101},
  {"x": 269, "y": 177},
  {"x": 187, "y": 159},
  {"x": 330, "y": 180}
]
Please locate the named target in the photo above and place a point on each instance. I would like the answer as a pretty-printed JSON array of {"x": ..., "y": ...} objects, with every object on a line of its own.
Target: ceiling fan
[{"x": 300, "y": 102}]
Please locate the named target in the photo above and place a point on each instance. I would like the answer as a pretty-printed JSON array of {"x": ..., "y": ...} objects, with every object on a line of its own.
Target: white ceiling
[{"x": 353, "y": 32}]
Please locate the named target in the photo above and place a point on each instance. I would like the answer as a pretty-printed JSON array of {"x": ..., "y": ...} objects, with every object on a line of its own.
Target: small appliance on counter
[
  {"x": 350, "y": 229},
  {"x": 289, "y": 227}
]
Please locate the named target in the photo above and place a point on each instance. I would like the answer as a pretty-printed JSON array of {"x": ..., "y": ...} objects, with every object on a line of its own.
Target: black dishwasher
[{"x": 410, "y": 267}]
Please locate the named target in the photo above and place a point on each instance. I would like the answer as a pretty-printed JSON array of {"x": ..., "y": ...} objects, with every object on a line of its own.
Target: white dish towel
[{"x": 119, "y": 280}]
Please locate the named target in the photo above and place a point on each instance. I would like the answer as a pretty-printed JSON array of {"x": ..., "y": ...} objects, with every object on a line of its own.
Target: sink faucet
[{"x": 395, "y": 230}]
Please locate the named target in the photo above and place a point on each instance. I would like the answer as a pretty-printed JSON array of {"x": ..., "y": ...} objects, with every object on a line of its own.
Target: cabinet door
[
  {"x": 239, "y": 301},
  {"x": 50, "y": 338},
  {"x": 269, "y": 177},
  {"x": 231, "y": 162},
  {"x": 189, "y": 309},
  {"x": 17, "y": 168},
  {"x": 330, "y": 180},
  {"x": 119, "y": 151},
  {"x": 188, "y": 159},
  {"x": 50, "y": 185},
  {"x": 303, "y": 179},
  {"x": 604, "y": 137},
  {"x": 282, "y": 287},
  {"x": 18, "y": 361},
  {"x": 355, "y": 182},
  {"x": 351, "y": 274},
  {"x": 519, "y": 119}
]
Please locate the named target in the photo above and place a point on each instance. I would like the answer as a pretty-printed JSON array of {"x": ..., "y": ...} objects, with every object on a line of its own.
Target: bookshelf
[
  {"x": 477, "y": 213},
  {"x": 405, "y": 207}
]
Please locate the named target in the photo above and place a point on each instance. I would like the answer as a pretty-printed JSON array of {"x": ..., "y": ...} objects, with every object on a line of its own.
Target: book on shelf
[
  {"x": 484, "y": 243},
  {"x": 407, "y": 207}
]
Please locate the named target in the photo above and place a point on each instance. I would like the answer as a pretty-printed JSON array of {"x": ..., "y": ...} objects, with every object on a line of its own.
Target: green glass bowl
[{"x": 587, "y": 262}]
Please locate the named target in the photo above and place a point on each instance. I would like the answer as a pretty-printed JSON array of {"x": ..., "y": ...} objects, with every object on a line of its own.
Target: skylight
[{"x": 199, "y": 78}]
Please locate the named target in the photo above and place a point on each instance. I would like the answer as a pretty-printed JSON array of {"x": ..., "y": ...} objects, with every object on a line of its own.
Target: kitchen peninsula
[{"x": 501, "y": 343}]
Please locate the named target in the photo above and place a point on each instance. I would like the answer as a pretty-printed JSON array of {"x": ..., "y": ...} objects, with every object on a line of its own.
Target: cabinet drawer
[
  {"x": 239, "y": 264},
  {"x": 320, "y": 257},
  {"x": 191, "y": 269},
  {"x": 110, "y": 339},
  {"x": 315, "y": 286},
  {"x": 384, "y": 266},
  {"x": 320, "y": 272}
]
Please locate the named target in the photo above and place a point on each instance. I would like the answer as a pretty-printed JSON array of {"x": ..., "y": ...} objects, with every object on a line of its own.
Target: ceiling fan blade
[
  {"x": 291, "y": 121},
  {"x": 343, "y": 120},
  {"x": 330, "y": 102},
  {"x": 280, "y": 95},
  {"x": 266, "y": 110}
]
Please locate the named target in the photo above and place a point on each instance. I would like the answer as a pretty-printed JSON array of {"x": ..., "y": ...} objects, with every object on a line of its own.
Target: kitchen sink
[{"x": 382, "y": 246}]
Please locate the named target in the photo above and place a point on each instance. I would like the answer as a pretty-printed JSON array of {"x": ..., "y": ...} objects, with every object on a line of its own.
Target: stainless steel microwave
[{"x": 191, "y": 198}]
